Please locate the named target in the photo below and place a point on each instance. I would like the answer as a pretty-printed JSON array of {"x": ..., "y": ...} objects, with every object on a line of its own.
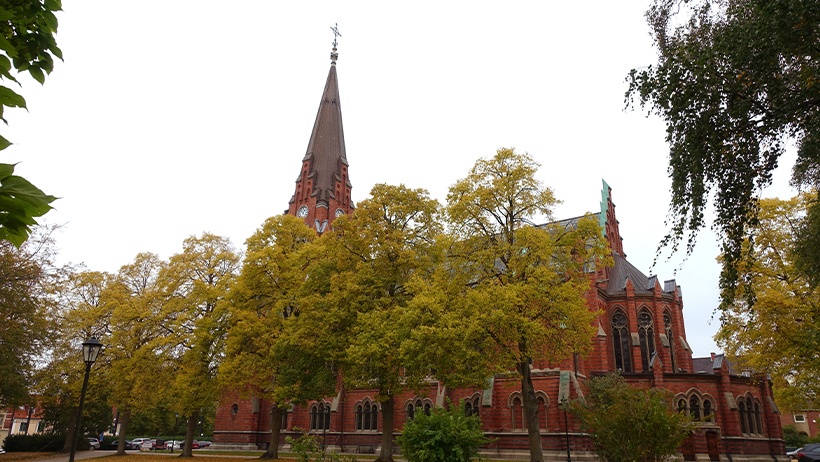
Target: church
[{"x": 640, "y": 334}]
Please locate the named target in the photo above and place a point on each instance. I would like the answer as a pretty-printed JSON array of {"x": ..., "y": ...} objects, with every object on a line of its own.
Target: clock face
[
  {"x": 339, "y": 212},
  {"x": 302, "y": 212}
]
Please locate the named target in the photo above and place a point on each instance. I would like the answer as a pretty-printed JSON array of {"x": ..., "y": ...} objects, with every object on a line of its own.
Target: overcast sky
[{"x": 170, "y": 118}]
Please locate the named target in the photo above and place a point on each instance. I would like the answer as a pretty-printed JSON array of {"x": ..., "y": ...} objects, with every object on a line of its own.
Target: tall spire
[{"x": 323, "y": 187}]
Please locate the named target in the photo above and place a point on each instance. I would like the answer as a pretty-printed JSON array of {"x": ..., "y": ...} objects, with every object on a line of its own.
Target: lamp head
[{"x": 91, "y": 349}]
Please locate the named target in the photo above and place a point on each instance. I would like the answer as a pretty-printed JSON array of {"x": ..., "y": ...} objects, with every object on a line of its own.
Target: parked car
[
  {"x": 113, "y": 444},
  {"x": 809, "y": 453},
  {"x": 136, "y": 443},
  {"x": 94, "y": 443},
  {"x": 204, "y": 444},
  {"x": 173, "y": 445},
  {"x": 793, "y": 454},
  {"x": 147, "y": 445}
]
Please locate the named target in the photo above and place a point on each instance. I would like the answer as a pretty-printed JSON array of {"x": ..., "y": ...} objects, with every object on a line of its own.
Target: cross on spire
[{"x": 333, "y": 55}]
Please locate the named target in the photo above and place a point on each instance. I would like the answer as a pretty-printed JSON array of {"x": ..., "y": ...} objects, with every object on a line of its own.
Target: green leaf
[
  {"x": 6, "y": 46},
  {"x": 6, "y": 170},
  {"x": 37, "y": 73},
  {"x": 54, "y": 5},
  {"x": 50, "y": 20},
  {"x": 5, "y": 14},
  {"x": 5, "y": 63},
  {"x": 4, "y": 143},
  {"x": 9, "y": 98}
]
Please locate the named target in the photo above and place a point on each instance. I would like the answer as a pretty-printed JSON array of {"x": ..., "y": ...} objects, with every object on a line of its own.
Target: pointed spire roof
[{"x": 326, "y": 147}]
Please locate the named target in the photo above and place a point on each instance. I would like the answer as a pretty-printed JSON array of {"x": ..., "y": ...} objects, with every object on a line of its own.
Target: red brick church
[{"x": 641, "y": 334}]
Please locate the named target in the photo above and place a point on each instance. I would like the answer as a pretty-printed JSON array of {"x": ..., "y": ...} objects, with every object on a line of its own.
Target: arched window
[
  {"x": 367, "y": 417},
  {"x": 694, "y": 408},
  {"x": 620, "y": 342},
  {"x": 419, "y": 406},
  {"x": 708, "y": 411},
  {"x": 410, "y": 411},
  {"x": 741, "y": 409},
  {"x": 234, "y": 410},
  {"x": 374, "y": 417},
  {"x": 284, "y": 418},
  {"x": 471, "y": 406},
  {"x": 757, "y": 419},
  {"x": 667, "y": 326},
  {"x": 320, "y": 416},
  {"x": 542, "y": 412},
  {"x": 517, "y": 413},
  {"x": 427, "y": 408},
  {"x": 359, "y": 419},
  {"x": 646, "y": 335},
  {"x": 683, "y": 407}
]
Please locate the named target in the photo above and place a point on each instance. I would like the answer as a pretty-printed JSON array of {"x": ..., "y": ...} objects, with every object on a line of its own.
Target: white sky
[{"x": 169, "y": 118}]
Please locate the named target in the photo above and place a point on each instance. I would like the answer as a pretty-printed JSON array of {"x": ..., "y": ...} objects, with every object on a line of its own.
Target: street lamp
[
  {"x": 91, "y": 349},
  {"x": 565, "y": 404}
]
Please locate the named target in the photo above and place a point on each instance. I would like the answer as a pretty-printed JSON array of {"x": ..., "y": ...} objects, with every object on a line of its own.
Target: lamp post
[
  {"x": 91, "y": 349},
  {"x": 565, "y": 404}
]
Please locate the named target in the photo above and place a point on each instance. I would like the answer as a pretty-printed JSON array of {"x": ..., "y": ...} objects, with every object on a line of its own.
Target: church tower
[{"x": 323, "y": 186}]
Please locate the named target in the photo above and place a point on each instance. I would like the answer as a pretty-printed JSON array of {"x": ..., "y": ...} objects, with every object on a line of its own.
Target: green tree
[
  {"x": 630, "y": 424},
  {"x": 446, "y": 435},
  {"x": 137, "y": 350},
  {"x": 364, "y": 315},
  {"x": 524, "y": 285},
  {"x": 265, "y": 305},
  {"x": 736, "y": 83},
  {"x": 780, "y": 334},
  {"x": 197, "y": 282},
  {"x": 27, "y": 43},
  {"x": 27, "y": 279}
]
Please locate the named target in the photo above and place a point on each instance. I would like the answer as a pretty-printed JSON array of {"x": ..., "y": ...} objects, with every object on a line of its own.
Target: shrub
[
  {"x": 36, "y": 443},
  {"x": 443, "y": 436}
]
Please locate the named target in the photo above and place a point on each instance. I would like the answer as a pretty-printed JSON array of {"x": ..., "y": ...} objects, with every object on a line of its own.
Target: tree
[
  {"x": 365, "y": 315},
  {"x": 27, "y": 43},
  {"x": 523, "y": 284},
  {"x": 780, "y": 334},
  {"x": 264, "y": 308},
  {"x": 27, "y": 279},
  {"x": 197, "y": 282},
  {"x": 736, "y": 83},
  {"x": 137, "y": 350},
  {"x": 631, "y": 424},
  {"x": 446, "y": 435}
]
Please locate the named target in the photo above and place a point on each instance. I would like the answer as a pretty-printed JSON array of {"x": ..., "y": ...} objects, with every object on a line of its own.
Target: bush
[
  {"x": 443, "y": 436},
  {"x": 36, "y": 443},
  {"x": 307, "y": 449}
]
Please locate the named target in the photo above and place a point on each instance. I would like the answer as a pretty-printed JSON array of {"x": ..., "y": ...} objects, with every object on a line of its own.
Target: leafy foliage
[
  {"x": 631, "y": 424},
  {"x": 522, "y": 286},
  {"x": 36, "y": 443},
  {"x": 735, "y": 81},
  {"x": 27, "y": 43},
  {"x": 446, "y": 435},
  {"x": 27, "y": 307},
  {"x": 20, "y": 203},
  {"x": 780, "y": 334}
]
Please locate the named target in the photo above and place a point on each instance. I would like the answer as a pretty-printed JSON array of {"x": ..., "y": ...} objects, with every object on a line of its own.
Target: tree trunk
[
  {"x": 275, "y": 430},
  {"x": 388, "y": 410},
  {"x": 125, "y": 419},
  {"x": 71, "y": 431},
  {"x": 187, "y": 446},
  {"x": 531, "y": 412}
]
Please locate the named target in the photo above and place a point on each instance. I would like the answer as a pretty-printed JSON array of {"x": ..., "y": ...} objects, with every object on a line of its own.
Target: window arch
[
  {"x": 620, "y": 342},
  {"x": 517, "y": 412},
  {"x": 667, "y": 327},
  {"x": 701, "y": 408},
  {"x": 741, "y": 409},
  {"x": 366, "y": 415},
  {"x": 646, "y": 336},
  {"x": 757, "y": 418},
  {"x": 543, "y": 402},
  {"x": 320, "y": 416},
  {"x": 412, "y": 408},
  {"x": 472, "y": 405}
]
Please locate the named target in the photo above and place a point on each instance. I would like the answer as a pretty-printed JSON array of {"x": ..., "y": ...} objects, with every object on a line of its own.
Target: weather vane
[
  {"x": 333, "y": 55},
  {"x": 336, "y": 33}
]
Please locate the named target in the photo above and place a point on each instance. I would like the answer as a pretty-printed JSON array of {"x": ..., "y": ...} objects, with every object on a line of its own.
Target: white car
[
  {"x": 94, "y": 443},
  {"x": 173, "y": 446}
]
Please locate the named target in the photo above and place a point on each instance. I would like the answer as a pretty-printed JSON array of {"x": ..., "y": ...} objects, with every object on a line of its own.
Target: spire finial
[{"x": 333, "y": 55}]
